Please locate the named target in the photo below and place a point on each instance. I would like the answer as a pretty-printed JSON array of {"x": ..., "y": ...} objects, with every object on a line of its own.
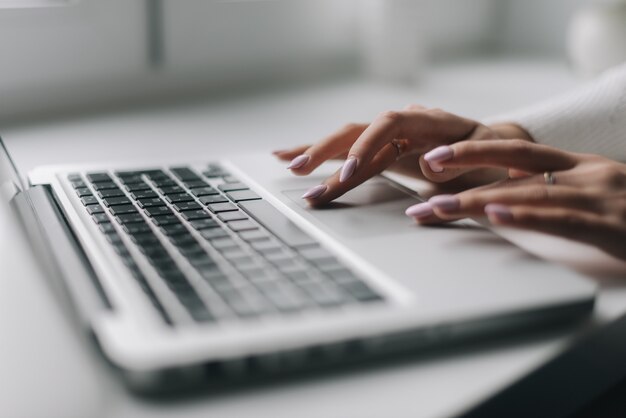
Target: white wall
[
  {"x": 96, "y": 51},
  {"x": 535, "y": 26},
  {"x": 65, "y": 47}
]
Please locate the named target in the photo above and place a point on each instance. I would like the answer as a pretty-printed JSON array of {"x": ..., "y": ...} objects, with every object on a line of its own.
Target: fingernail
[
  {"x": 279, "y": 151},
  {"x": 437, "y": 155},
  {"x": 498, "y": 213},
  {"x": 421, "y": 210},
  {"x": 314, "y": 192},
  {"x": 445, "y": 202},
  {"x": 299, "y": 161},
  {"x": 348, "y": 169}
]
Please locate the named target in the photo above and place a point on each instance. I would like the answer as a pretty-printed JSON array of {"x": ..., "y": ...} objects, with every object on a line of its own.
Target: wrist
[{"x": 511, "y": 131}]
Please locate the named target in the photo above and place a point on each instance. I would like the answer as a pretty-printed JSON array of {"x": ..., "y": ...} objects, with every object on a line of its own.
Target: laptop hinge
[{"x": 59, "y": 252}]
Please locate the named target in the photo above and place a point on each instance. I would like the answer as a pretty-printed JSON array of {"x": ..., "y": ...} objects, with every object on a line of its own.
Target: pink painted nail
[
  {"x": 445, "y": 202},
  {"x": 314, "y": 192},
  {"x": 498, "y": 213},
  {"x": 348, "y": 169},
  {"x": 438, "y": 155},
  {"x": 299, "y": 161},
  {"x": 421, "y": 210}
]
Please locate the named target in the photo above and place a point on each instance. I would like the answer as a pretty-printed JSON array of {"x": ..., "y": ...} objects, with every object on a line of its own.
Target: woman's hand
[
  {"x": 396, "y": 140},
  {"x": 576, "y": 196}
]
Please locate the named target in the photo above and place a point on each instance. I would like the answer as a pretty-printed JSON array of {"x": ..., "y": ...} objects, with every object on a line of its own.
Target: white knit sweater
[{"x": 590, "y": 119}]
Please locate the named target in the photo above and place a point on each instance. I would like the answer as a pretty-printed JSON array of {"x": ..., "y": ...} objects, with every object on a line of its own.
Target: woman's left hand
[{"x": 576, "y": 196}]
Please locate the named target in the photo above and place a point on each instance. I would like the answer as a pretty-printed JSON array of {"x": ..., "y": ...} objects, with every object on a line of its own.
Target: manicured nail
[
  {"x": 280, "y": 151},
  {"x": 348, "y": 169},
  {"x": 299, "y": 161},
  {"x": 498, "y": 213},
  {"x": 314, "y": 192},
  {"x": 421, "y": 210},
  {"x": 437, "y": 155},
  {"x": 445, "y": 202}
]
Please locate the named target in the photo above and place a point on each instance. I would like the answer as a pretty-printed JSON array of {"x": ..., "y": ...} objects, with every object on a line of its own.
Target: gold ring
[{"x": 548, "y": 178}]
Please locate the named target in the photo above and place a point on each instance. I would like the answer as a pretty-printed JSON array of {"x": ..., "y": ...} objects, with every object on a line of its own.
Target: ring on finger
[
  {"x": 548, "y": 178},
  {"x": 400, "y": 145}
]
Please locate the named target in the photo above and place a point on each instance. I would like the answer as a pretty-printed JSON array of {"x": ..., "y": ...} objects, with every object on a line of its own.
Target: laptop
[{"x": 189, "y": 272}]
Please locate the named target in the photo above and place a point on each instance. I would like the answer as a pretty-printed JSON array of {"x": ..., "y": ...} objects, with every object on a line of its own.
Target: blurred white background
[{"x": 94, "y": 52}]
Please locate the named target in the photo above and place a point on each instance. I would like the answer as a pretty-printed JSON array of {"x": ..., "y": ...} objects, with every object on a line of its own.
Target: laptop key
[
  {"x": 168, "y": 190},
  {"x": 146, "y": 240},
  {"x": 266, "y": 246},
  {"x": 207, "y": 200},
  {"x": 204, "y": 191},
  {"x": 74, "y": 177},
  {"x": 242, "y": 195},
  {"x": 157, "y": 210},
  {"x": 181, "y": 206},
  {"x": 322, "y": 294},
  {"x": 213, "y": 233},
  {"x": 98, "y": 177},
  {"x": 244, "y": 225},
  {"x": 110, "y": 193},
  {"x": 155, "y": 174},
  {"x": 179, "y": 197},
  {"x": 214, "y": 170},
  {"x": 107, "y": 228},
  {"x": 129, "y": 218},
  {"x": 254, "y": 235},
  {"x": 105, "y": 186},
  {"x": 93, "y": 209},
  {"x": 165, "y": 220},
  {"x": 184, "y": 173},
  {"x": 89, "y": 200},
  {"x": 194, "y": 184},
  {"x": 183, "y": 240},
  {"x": 361, "y": 292},
  {"x": 83, "y": 191},
  {"x": 191, "y": 215},
  {"x": 121, "y": 209},
  {"x": 117, "y": 200},
  {"x": 221, "y": 244},
  {"x": 232, "y": 216},
  {"x": 77, "y": 184},
  {"x": 149, "y": 202},
  {"x": 163, "y": 182},
  {"x": 144, "y": 194},
  {"x": 137, "y": 228},
  {"x": 100, "y": 218},
  {"x": 135, "y": 187},
  {"x": 228, "y": 187},
  {"x": 230, "y": 179},
  {"x": 221, "y": 207},
  {"x": 174, "y": 229},
  {"x": 203, "y": 223}
]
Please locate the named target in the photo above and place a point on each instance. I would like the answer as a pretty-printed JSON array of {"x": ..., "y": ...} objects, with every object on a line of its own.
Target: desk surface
[{"x": 47, "y": 369}]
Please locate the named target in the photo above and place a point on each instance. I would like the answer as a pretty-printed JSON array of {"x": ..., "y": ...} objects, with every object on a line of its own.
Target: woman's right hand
[{"x": 395, "y": 140}]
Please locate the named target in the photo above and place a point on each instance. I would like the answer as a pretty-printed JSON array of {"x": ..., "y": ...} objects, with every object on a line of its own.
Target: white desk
[{"x": 46, "y": 369}]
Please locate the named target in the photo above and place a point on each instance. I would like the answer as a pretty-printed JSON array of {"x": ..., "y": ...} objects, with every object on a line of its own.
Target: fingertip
[
  {"x": 299, "y": 161},
  {"x": 498, "y": 214},
  {"x": 420, "y": 210}
]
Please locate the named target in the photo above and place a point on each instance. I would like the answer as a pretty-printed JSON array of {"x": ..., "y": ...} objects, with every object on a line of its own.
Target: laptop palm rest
[{"x": 375, "y": 208}]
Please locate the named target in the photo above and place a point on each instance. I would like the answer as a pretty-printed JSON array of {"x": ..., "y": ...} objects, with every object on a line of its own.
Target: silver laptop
[{"x": 188, "y": 272}]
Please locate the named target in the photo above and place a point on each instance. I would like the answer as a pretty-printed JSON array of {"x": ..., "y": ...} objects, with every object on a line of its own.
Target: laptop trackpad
[{"x": 374, "y": 208}]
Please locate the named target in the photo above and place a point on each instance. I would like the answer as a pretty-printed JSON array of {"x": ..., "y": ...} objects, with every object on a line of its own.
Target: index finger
[{"x": 508, "y": 153}]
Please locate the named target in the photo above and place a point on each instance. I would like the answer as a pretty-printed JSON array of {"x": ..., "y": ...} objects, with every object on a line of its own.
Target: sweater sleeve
[{"x": 590, "y": 119}]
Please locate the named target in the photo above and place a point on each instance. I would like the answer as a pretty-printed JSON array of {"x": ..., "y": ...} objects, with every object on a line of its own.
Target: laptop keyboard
[{"x": 214, "y": 245}]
